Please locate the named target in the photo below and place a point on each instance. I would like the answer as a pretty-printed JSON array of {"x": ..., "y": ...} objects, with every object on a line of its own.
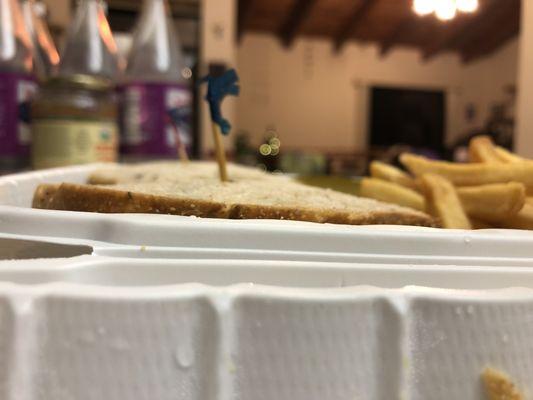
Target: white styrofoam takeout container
[
  {"x": 94, "y": 327},
  {"x": 186, "y": 308},
  {"x": 164, "y": 236}
]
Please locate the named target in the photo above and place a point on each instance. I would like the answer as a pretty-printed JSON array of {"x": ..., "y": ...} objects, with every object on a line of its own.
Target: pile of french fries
[{"x": 489, "y": 192}]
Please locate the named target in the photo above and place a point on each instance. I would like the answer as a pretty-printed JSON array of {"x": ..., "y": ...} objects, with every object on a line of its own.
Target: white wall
[
  {"x": 484, "y": 82},
  {"x": 217, "y": 45},
  {"x": 318, "y": 100},
  {"x": 524, "y": 137}
]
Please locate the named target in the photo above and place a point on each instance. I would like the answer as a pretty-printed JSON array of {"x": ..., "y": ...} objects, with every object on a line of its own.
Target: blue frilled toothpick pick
[{"x": 217, "y": 89}]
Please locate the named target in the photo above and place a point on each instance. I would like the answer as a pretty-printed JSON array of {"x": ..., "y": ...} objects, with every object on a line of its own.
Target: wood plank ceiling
[
  {"x": 389, "y": 23},
  {"x": 179, "y": 8}
]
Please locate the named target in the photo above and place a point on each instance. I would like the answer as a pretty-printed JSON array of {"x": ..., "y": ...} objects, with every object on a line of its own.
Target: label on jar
[
  {"x": 155, "y": 119},
  {"x": 59, "y": 143},
  {"x": 16, "y": 92}
]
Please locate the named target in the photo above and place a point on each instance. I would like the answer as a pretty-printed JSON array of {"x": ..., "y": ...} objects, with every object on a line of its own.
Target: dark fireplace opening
[{"x": 410, "y": 117}]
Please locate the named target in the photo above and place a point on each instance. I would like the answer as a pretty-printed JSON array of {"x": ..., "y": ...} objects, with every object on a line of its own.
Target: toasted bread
[
  {"x": 251, "y": 194},
  {"x": 165, "y": 171}
]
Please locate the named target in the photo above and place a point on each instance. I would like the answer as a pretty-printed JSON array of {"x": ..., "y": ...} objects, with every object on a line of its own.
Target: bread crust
[
  {"x": 46, "y": 197},
  {"x": 90, "y": 198}
]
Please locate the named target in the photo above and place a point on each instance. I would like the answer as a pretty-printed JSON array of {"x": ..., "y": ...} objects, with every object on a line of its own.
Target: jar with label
[{"x": 74, "y": 122}]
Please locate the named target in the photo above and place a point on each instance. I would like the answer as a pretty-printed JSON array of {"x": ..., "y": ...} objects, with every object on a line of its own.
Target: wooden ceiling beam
[
  {"x": 395, "y": 34},
  {"x": 178, "y": 7},
  {"x": 441, "y": 42},
  {"x": 504, "y": 35},
  {"x": 244, "y": 8},
  {"x": 295, "y": 19},
  {"x": 351, "y": 24},
  {"x": 508, "y": 26},
  {"x": 460, "y": 28},
  {"x": 481, "y": 27}
]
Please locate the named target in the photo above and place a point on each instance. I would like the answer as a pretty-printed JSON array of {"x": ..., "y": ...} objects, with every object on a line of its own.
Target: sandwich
[{"x": 193, "y": 189}]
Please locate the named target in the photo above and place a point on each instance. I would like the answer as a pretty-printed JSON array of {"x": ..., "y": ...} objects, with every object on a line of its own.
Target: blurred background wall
[
  {"x": 310, "y": 92},
  {"x": 317, "y": 99}
]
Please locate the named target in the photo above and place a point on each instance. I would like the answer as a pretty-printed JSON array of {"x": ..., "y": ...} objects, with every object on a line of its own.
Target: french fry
[
  {"x": 470, "y": 174},
  {"x": 481, "y": 149},
  {"x": 487, "y": 203},
  {"x": 506, "y": 156},
  {"x": 392, "y": 174},
  {"x": 494, "y": 202},
  {"x": 498, "y": 386},
  {"x": 392, "y": 193},
  {"x": 443, "y": 202},
  {"x": 522, "y": 220},
  {"x": 491, "y": 192}
]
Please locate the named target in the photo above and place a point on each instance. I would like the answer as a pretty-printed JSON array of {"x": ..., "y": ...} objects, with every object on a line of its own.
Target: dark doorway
[{"x": 411, "y": 117}]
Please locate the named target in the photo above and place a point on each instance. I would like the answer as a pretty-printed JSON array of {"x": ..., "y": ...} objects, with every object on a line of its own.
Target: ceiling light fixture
[
  {"x": 445, "y": 10},
  {"x": 467, "y": 6},
  {"x": 424, "y": 7}
]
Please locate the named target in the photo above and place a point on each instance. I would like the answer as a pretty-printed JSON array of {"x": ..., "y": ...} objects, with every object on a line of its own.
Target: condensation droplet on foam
[
  {"x": 184, "y": 356},
  {"x": 467, "y": 239},
  {"x": 505, "y": 338},
  {"x": 470, "y": 310}
]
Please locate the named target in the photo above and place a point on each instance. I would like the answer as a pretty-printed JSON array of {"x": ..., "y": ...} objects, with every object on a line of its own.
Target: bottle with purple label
[
  {"x": 17, "y": 86},
  {"x": 155, "y": 98}
]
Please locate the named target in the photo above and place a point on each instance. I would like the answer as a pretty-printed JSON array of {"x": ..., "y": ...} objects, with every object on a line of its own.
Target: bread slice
[
  {"x": 165, "y": 171},
  {"x": 251, "y": 194},
  {"x": 45, "y": 197}
]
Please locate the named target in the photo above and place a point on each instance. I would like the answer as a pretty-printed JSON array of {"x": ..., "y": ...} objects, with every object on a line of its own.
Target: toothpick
[
  {"x": 173, "y": 119},
  {"x": 220, "y": 153},
  {"x": 218, "y": 88},
  {"x": 182, "y": 152}
]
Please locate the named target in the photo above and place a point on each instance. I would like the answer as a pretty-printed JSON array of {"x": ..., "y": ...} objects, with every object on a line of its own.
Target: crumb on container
[{"x": 499, "y": 386}]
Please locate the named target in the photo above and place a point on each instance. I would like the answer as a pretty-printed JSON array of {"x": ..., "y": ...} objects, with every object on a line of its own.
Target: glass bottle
[
  {"x": 74, "y": 118},
  {"x": 90, "y": 48},
  {"x": 17, "y": 86},
  {"x": 45, "y": 55},
  {"x": 155, "y": 96}
]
